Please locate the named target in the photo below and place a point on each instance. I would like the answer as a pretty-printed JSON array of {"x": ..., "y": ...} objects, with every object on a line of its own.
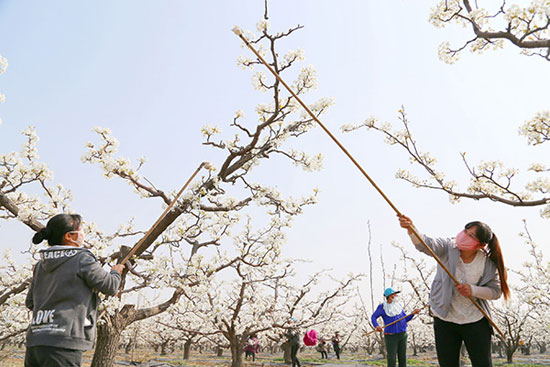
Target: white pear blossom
[
  {"x": 3, "y": 67},
  {"x": 3, "y": 64},
  {"x": 446, "y": 54},
  {"x": 537, "y": 129},
  {"x": 263, "y": 25},
  {"x": 209, "y": 130},
  {"x": 239, "y": 114}
]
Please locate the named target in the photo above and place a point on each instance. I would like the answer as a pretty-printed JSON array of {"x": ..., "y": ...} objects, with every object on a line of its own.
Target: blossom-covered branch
[
  {"x": 527, "y": 27},
  {"x": 488, "y": 180}
]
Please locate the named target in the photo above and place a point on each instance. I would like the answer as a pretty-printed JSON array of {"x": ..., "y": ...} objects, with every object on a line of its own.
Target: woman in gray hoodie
[
  {"x": 475, "y": 259},
  {"x": 63, "y": 295}
]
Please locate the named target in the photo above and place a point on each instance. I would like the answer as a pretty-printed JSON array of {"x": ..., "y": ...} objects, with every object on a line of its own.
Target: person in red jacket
[{"x": 251, "y": 347}]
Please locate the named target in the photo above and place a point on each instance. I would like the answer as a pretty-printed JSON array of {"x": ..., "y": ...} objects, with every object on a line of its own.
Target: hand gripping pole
[{"x": 393, "y": 322}]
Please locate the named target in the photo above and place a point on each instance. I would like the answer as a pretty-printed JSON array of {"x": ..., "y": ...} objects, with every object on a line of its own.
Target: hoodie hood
[{"x": 55, "y": 256}]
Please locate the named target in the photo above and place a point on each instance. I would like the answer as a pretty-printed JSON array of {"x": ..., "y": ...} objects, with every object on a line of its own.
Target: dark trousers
[
  {"x": 336, "y": 348},
  {"x": 396, "y": 345},
  {"x": 293, "y": 352},
  {"x": 324, "y": 354},
  {"x": 45, "y": 356},
  {"x": 476, "y": 337}
]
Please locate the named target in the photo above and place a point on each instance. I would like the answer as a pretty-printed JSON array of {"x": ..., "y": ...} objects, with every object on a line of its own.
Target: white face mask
[
  {"x": 79, "y": 239},
  {"x": 393, "y": 308}
]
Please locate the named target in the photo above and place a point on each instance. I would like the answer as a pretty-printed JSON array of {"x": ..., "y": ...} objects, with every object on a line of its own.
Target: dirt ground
[{"x": 149, "y": 358}]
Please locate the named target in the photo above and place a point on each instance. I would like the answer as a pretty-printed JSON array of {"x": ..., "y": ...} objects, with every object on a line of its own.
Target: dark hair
[
  {"x": 57, "y": 226},
  {"x": 485, "y": 235}
]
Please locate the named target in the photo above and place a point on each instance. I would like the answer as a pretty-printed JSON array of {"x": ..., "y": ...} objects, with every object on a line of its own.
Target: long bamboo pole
[
  {"x": 393, "y": 322},
  {"x": 140, "y": 242},
  {"x": 238, "y": 31}
]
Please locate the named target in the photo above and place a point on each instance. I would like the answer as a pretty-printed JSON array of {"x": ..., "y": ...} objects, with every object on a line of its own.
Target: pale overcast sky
[{"x": 155, "y": 72}]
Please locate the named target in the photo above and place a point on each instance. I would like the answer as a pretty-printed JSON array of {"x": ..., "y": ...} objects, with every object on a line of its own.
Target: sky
[{"x": 156, "y": 72}]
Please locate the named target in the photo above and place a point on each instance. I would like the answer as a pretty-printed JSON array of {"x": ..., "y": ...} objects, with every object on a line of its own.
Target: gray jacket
[
  {"x": 442, "y": 286},
  {"x": 63, "y": 298}
]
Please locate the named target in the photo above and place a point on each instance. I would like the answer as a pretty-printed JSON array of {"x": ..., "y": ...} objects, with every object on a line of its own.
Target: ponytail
[
  {"x": 495, "y": 254},
  {"x": 485, "y": 235},
  {"x": 41, "y": 235}
]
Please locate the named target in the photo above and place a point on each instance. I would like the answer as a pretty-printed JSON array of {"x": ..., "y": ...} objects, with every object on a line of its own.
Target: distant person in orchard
[
  {"x": 475, "y": 259},
  {"x": 293, "y": 338},
  {"x": 336, "y": 344},
  {"x": 63, "y": 295},
  {"x": 251, "y": 347},
  {"x": 322, "y": 348},
  {"x": 395, "y": 335}
]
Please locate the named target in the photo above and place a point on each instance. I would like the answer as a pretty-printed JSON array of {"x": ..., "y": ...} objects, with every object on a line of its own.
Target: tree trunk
[
  {"x": 129, "y": 347},
  {"x": 186, "y": 349},
  {"x": 499, "y": 349},
  {"x": 219, "y": 351},
  {"x": 509, "y": 355},
  {"x": 236, "y": 354},
  {"x": 106, "y": 346},
  {"x": 286, "y": 352}
]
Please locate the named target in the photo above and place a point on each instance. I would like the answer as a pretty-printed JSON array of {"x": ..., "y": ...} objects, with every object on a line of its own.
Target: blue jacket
[{"x": 398, "y": 327}]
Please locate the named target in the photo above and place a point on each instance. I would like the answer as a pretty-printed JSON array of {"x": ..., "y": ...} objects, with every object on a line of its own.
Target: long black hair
[
  {"x": 57, "y": 226},
  {"x": 485, "y": 235}
]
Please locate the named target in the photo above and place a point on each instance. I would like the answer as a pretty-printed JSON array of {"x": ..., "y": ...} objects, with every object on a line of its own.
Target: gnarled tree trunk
[
  {"x": 109, "y": 331},
  {"x": 236, "y": 354},
  {"x": 186, "y": 349},
  {"x": 108, "y": 338}
]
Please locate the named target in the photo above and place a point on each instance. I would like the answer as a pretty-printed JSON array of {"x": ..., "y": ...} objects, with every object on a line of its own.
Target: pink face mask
[{"x": 465, "y": 242}]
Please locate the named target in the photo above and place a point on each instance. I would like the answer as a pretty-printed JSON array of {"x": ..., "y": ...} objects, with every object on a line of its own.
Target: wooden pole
[
  {"x": 393, "y": 322},
  {"x": 239, "y": 33},
  {"x": 138, "y": 245}
]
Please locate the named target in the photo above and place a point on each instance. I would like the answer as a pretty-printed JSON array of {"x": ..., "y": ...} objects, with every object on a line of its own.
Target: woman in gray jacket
[
  {"x": 476, "y": 261},
  {"x": 63, "y": 295}
]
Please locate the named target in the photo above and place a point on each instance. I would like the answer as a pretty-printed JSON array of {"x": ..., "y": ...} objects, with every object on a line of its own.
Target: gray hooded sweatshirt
[{"x": 63, "y": 297}]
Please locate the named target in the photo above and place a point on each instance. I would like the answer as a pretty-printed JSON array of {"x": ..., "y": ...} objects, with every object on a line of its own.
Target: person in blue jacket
[{"x": 395, "y": 335}]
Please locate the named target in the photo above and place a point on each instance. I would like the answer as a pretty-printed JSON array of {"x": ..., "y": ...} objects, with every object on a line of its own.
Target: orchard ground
[{"x": 12, "y": 357}]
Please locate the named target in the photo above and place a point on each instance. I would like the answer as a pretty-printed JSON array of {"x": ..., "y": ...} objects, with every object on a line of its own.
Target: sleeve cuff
[
  {"x": 482, "y": 292},
  {"x": 414, "y": 238}
]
